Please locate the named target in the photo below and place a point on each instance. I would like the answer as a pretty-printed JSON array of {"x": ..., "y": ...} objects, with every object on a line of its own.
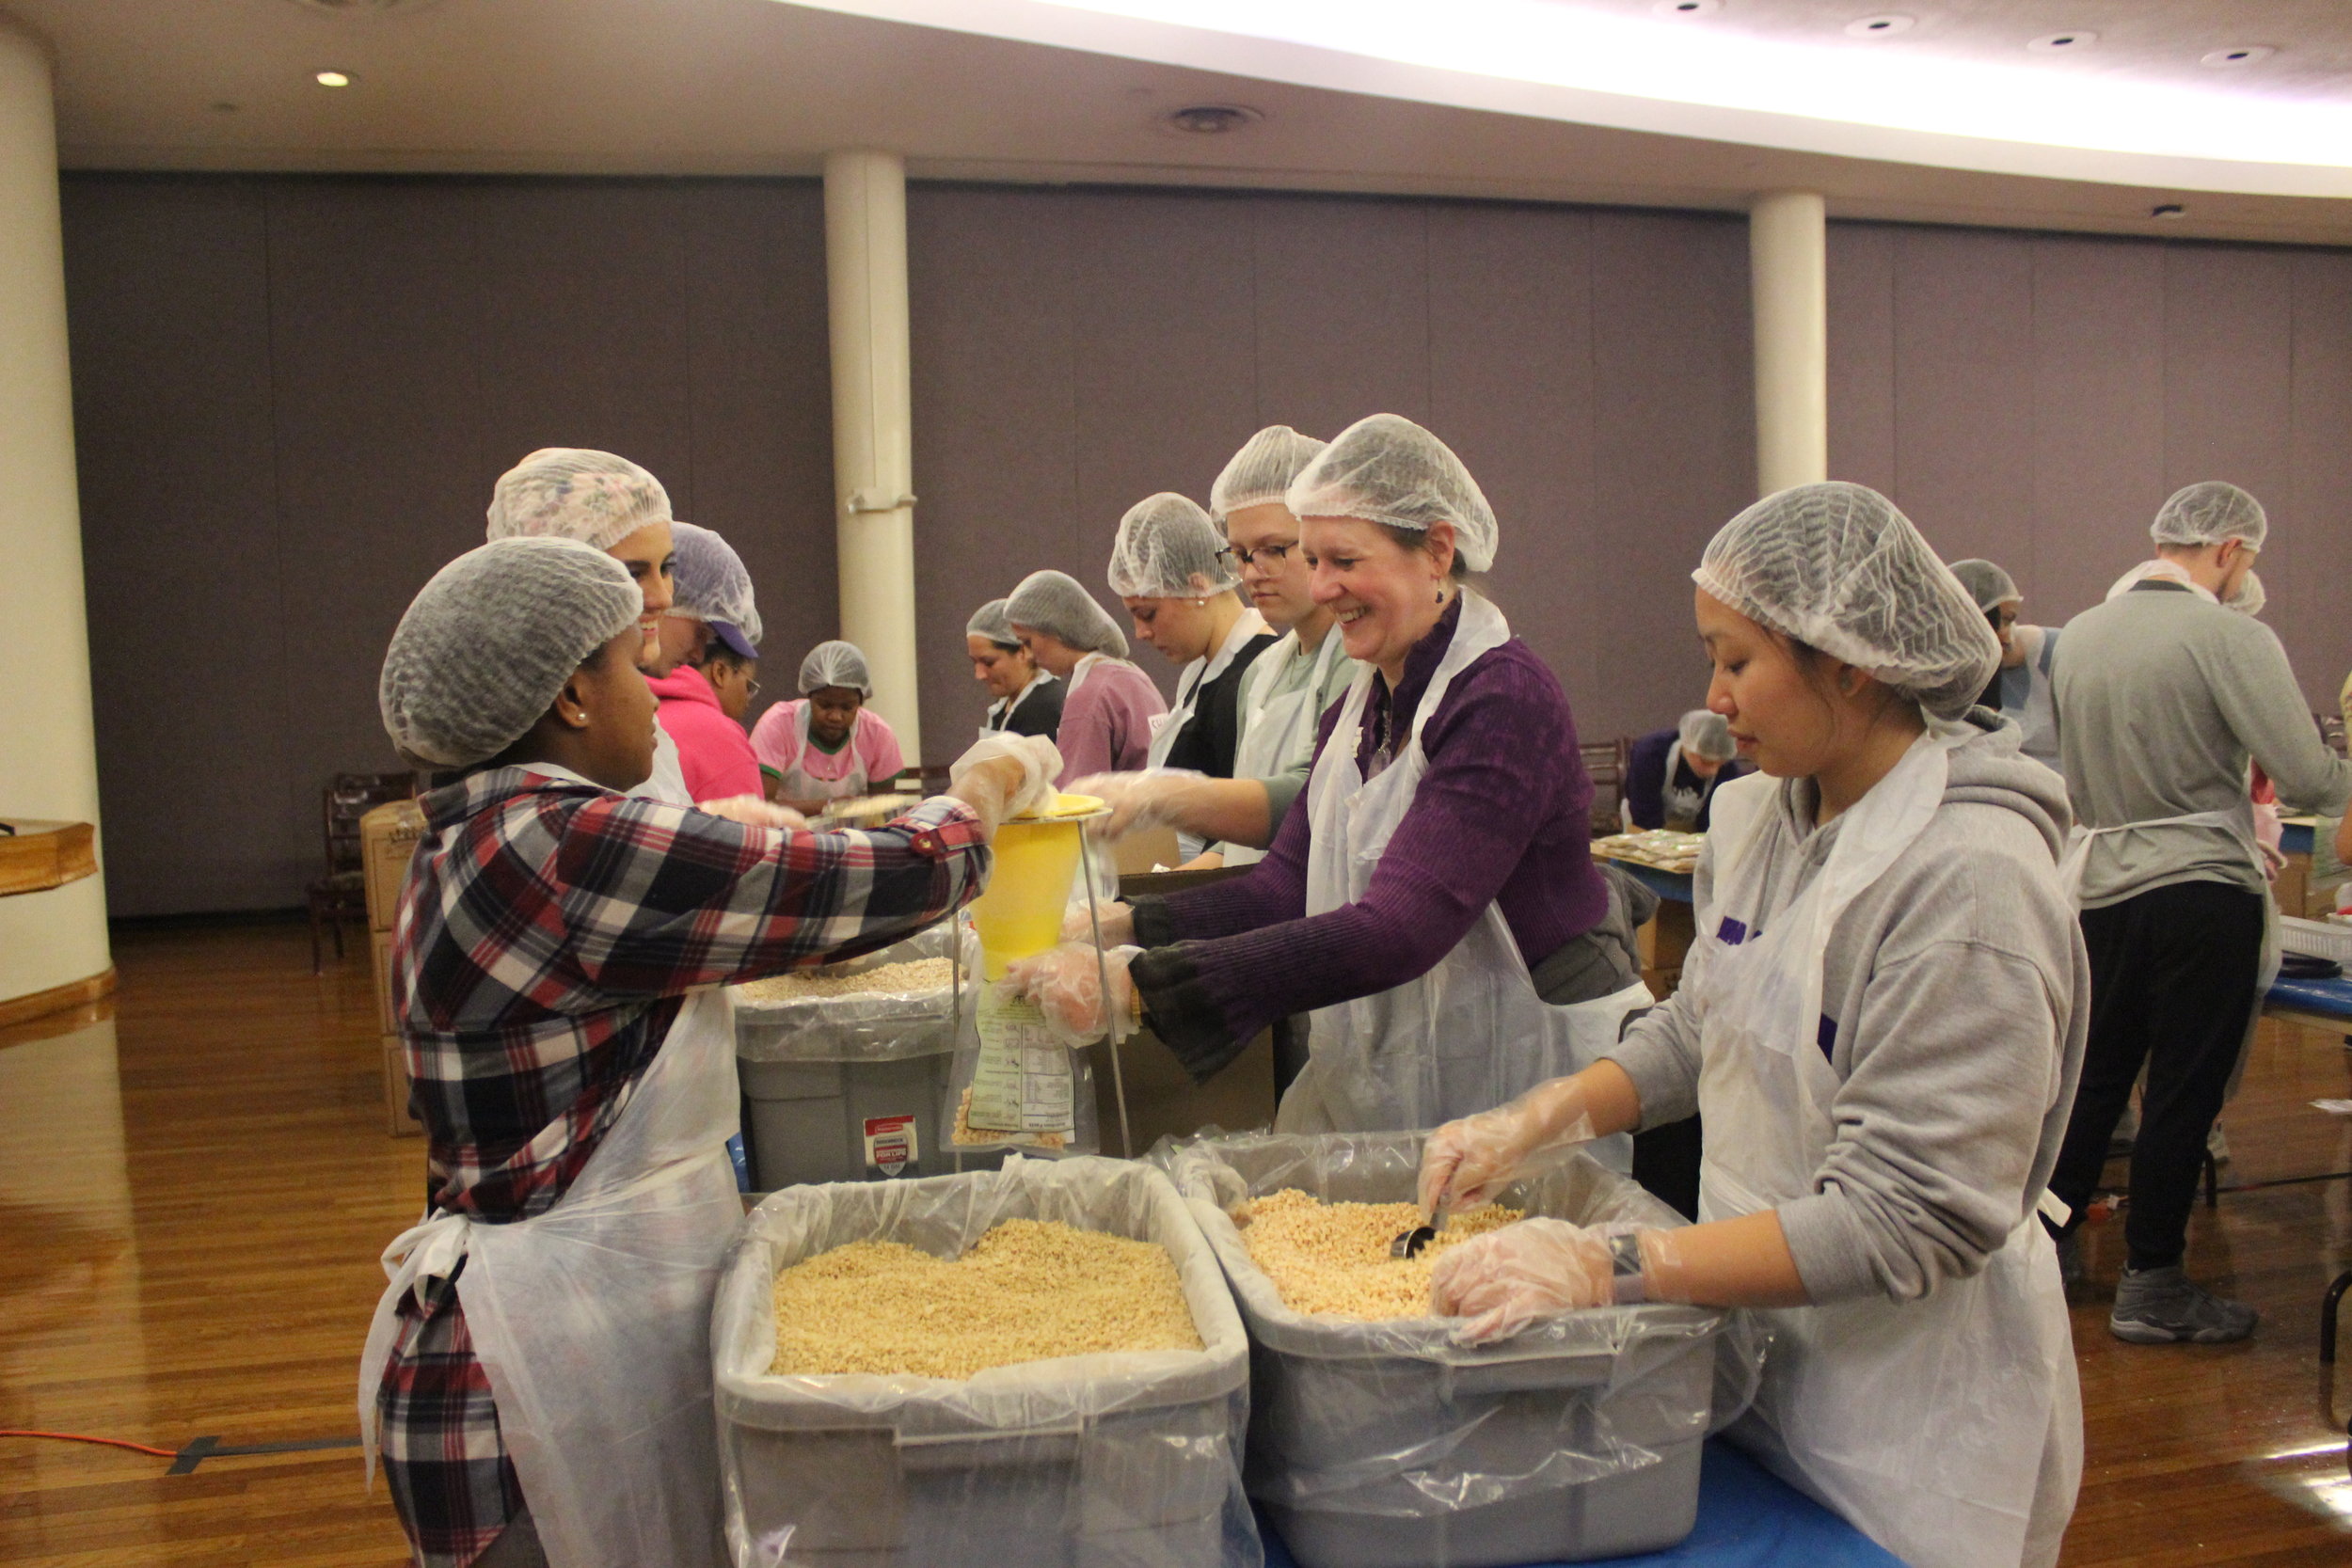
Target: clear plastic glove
[
  {"x": 1036, "y": 759},
  {"x": 1506, "y": 1279},
  {"x": 1118, "y": 924},
  {"x": 1066, "y": 982},
  {"x": 1138, "y": 802},
  {"x": 752, "y": 812},
  {"x": 1466, "y": 1162}
]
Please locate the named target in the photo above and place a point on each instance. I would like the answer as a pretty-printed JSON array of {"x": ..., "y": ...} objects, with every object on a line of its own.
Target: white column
[
  {"x": 873, "y": 458},
  {"x": 48, "y": 756},
  {"x": 1788, "y": 271}
]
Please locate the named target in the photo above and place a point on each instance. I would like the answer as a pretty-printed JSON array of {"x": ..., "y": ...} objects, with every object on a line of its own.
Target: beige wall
[{"x": 48, "y": 767}]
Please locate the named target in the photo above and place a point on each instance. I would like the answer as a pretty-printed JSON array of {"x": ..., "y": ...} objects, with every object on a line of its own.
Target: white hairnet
[
  {"x": 989, "y": 623},
  {"x": 1167, "y": 548},
  {"x": 487, "y": 645},
  {"x": 835, "y": 663},
  {"x": 1058, "y": 604},
  {"x": 1838, "y": 568},
  {"x": 1987, "y": 584},
  {"x": 713, "y": 583},
  {"x": 1706, "y": 734},
  {"x": 2208, "y": 512},
  {"x": 574, "y": 492},
  {"x": 1387, "y": 469},
  {"x": 1261, "y": 471}
]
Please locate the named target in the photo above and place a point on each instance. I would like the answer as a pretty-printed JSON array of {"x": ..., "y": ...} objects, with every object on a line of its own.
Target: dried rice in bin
[
  {"x": 1028, "y": 1290},
  {"x": 1333, "y": 1259},
  {"x": 1379, "y": 1443},
  {"x": 1091, "y": 1458}
]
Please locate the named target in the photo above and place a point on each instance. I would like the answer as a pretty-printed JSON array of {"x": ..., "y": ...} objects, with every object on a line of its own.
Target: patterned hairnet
[
  {"x": 1838, "y": 568},
  {"x": 1387, "y": 469},
  {"x": 1705, "y": 734},
  {"x": 1261, "y": 471},
  {"x": 989, "y": 623},
  {"x": 574, "y": 492},
  {"x": 835, "y": 663},
  {"x": 1058, "y": 604},
  {"x": 1987, "y": 584},
  {"x": 713, "y": 584},
  {"x": 487, "y": 644},
  {"x": 2208, "y": 512},
  {"x": 1167, "y": 548}
]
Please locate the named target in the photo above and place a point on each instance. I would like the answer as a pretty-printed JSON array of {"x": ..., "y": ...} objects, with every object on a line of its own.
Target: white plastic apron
[
  {"x": 1000, "y": 712},
  {"x": 667, "y": 782},
  {"x": 1471, "y": 1033},
  {"x": 1276, "y": 731},
  {"x": 799, "y": 784},
  {"x": 1167, "y": 726},
  {"x": 1949, "y": 1429},
  {"x": 1668, "y": 795},
  {"x": 593, "y": 1320}
]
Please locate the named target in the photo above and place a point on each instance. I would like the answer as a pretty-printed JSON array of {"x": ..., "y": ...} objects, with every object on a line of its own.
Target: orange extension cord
[{"x": 77, "y": 1437}]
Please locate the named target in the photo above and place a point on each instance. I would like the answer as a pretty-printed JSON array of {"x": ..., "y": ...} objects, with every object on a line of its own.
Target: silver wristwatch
[{"x": 1625, "y": 1276}]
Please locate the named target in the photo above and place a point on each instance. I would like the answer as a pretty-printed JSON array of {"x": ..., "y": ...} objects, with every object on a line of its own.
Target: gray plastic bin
[
  {"x": 1106, "y": 1461},
  {"x": 821, "y": 1076},
  {"x": 1384, "y": 1445}
]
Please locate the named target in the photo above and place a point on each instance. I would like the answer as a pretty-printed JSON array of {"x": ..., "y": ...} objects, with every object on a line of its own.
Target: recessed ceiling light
[
  {"x": 1688, "y": 7},
  {"x": 2238, "y": 55},
  {"x": 2169, "y": 209},
  {"x": 1884, "y": 25},
  {"x": 335, "y": 78},
  {"x": 1212, "y": 119},
  {"x": 2061, "y": 42}
]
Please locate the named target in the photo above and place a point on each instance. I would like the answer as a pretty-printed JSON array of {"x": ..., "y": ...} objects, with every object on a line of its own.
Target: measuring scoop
[{"x": 1409, "y": 1243}]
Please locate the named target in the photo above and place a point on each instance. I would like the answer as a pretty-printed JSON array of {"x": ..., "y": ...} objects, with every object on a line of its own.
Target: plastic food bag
[
  {"x": 1373, "y": 1441},
  {"x": 1123, "y": 1458}
]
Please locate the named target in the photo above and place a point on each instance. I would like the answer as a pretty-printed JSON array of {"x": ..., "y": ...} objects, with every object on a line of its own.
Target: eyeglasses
[
  {"x": 750, "y": 689},
  {"x": 1265, "y": 557}
]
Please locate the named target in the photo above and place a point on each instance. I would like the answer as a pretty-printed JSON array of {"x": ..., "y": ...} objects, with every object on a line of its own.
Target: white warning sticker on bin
[{"x": 890, "y": 1144}]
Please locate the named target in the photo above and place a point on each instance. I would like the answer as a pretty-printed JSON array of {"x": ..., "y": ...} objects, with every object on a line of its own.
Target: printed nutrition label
[{"x": 1022, "y": 1081}]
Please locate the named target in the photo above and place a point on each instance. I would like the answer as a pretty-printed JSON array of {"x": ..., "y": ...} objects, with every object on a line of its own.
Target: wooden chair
[
  {"x": 1608, "y": 762},
  {"x": 342, "y": 893}
]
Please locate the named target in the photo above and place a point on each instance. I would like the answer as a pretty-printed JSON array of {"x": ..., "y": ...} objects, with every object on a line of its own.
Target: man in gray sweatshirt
[{"x": 2163, "y": 694}]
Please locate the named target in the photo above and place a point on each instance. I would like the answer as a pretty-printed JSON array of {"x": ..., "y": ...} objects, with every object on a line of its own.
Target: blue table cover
[
  {"x": 2295, "y": 838},
  {"x": 1748, "y": 1518},
  {"x": 2331, "y": 998},
  {"x": 1674, "y": 886}
]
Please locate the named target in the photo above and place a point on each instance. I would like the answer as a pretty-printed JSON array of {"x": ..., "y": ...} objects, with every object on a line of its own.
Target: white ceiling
[{"x": 758, "y": 87}]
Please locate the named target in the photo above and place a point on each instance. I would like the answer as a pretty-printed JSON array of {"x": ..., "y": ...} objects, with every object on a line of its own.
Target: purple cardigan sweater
[{"x": 1502, "y": 816}]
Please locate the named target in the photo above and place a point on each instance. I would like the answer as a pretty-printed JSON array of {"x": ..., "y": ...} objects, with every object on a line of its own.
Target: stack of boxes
[{"x": 387, "y": 836}]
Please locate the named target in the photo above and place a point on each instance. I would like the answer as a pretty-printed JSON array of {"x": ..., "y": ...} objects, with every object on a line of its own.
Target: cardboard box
[
  {"x": 387, "y": 836},
  {"x": 381, "y": 944},
  {"x": 396, "y": 1117}
]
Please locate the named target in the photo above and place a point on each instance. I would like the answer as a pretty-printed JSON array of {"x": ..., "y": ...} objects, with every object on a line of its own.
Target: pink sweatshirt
[
  {"x": 1106, "y": 719},
  {"x": 713, "y": 751}
]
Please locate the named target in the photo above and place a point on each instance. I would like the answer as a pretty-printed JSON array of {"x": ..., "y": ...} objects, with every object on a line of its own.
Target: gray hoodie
[{"x": 1961, "y": 997}]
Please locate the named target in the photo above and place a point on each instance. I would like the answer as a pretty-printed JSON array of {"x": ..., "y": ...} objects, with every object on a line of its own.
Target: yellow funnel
[{"x": 1037, "y": 858}]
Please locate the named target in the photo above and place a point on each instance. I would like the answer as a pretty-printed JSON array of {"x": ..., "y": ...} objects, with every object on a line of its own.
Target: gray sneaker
[{"x": 2159, "y": 1306}]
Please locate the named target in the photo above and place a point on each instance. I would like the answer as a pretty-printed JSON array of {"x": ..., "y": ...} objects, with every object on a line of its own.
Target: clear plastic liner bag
[
  {"x": 864, "y": 1025},
  {"x": 1125, "y": 1458},
  {"x": 1014, "y": 1086},
  {"x": 1373, "y": 1441}
]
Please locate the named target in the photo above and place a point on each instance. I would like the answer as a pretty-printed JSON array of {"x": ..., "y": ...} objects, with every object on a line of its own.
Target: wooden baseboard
[{"x": 56, "y": 999}]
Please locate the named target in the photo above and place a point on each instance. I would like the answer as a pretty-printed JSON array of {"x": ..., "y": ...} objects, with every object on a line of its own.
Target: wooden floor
[{"x": 194, "y": 1188}]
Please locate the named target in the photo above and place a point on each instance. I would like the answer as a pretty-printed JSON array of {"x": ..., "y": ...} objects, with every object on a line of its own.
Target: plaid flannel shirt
[{"x": 546, "y": 934}]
